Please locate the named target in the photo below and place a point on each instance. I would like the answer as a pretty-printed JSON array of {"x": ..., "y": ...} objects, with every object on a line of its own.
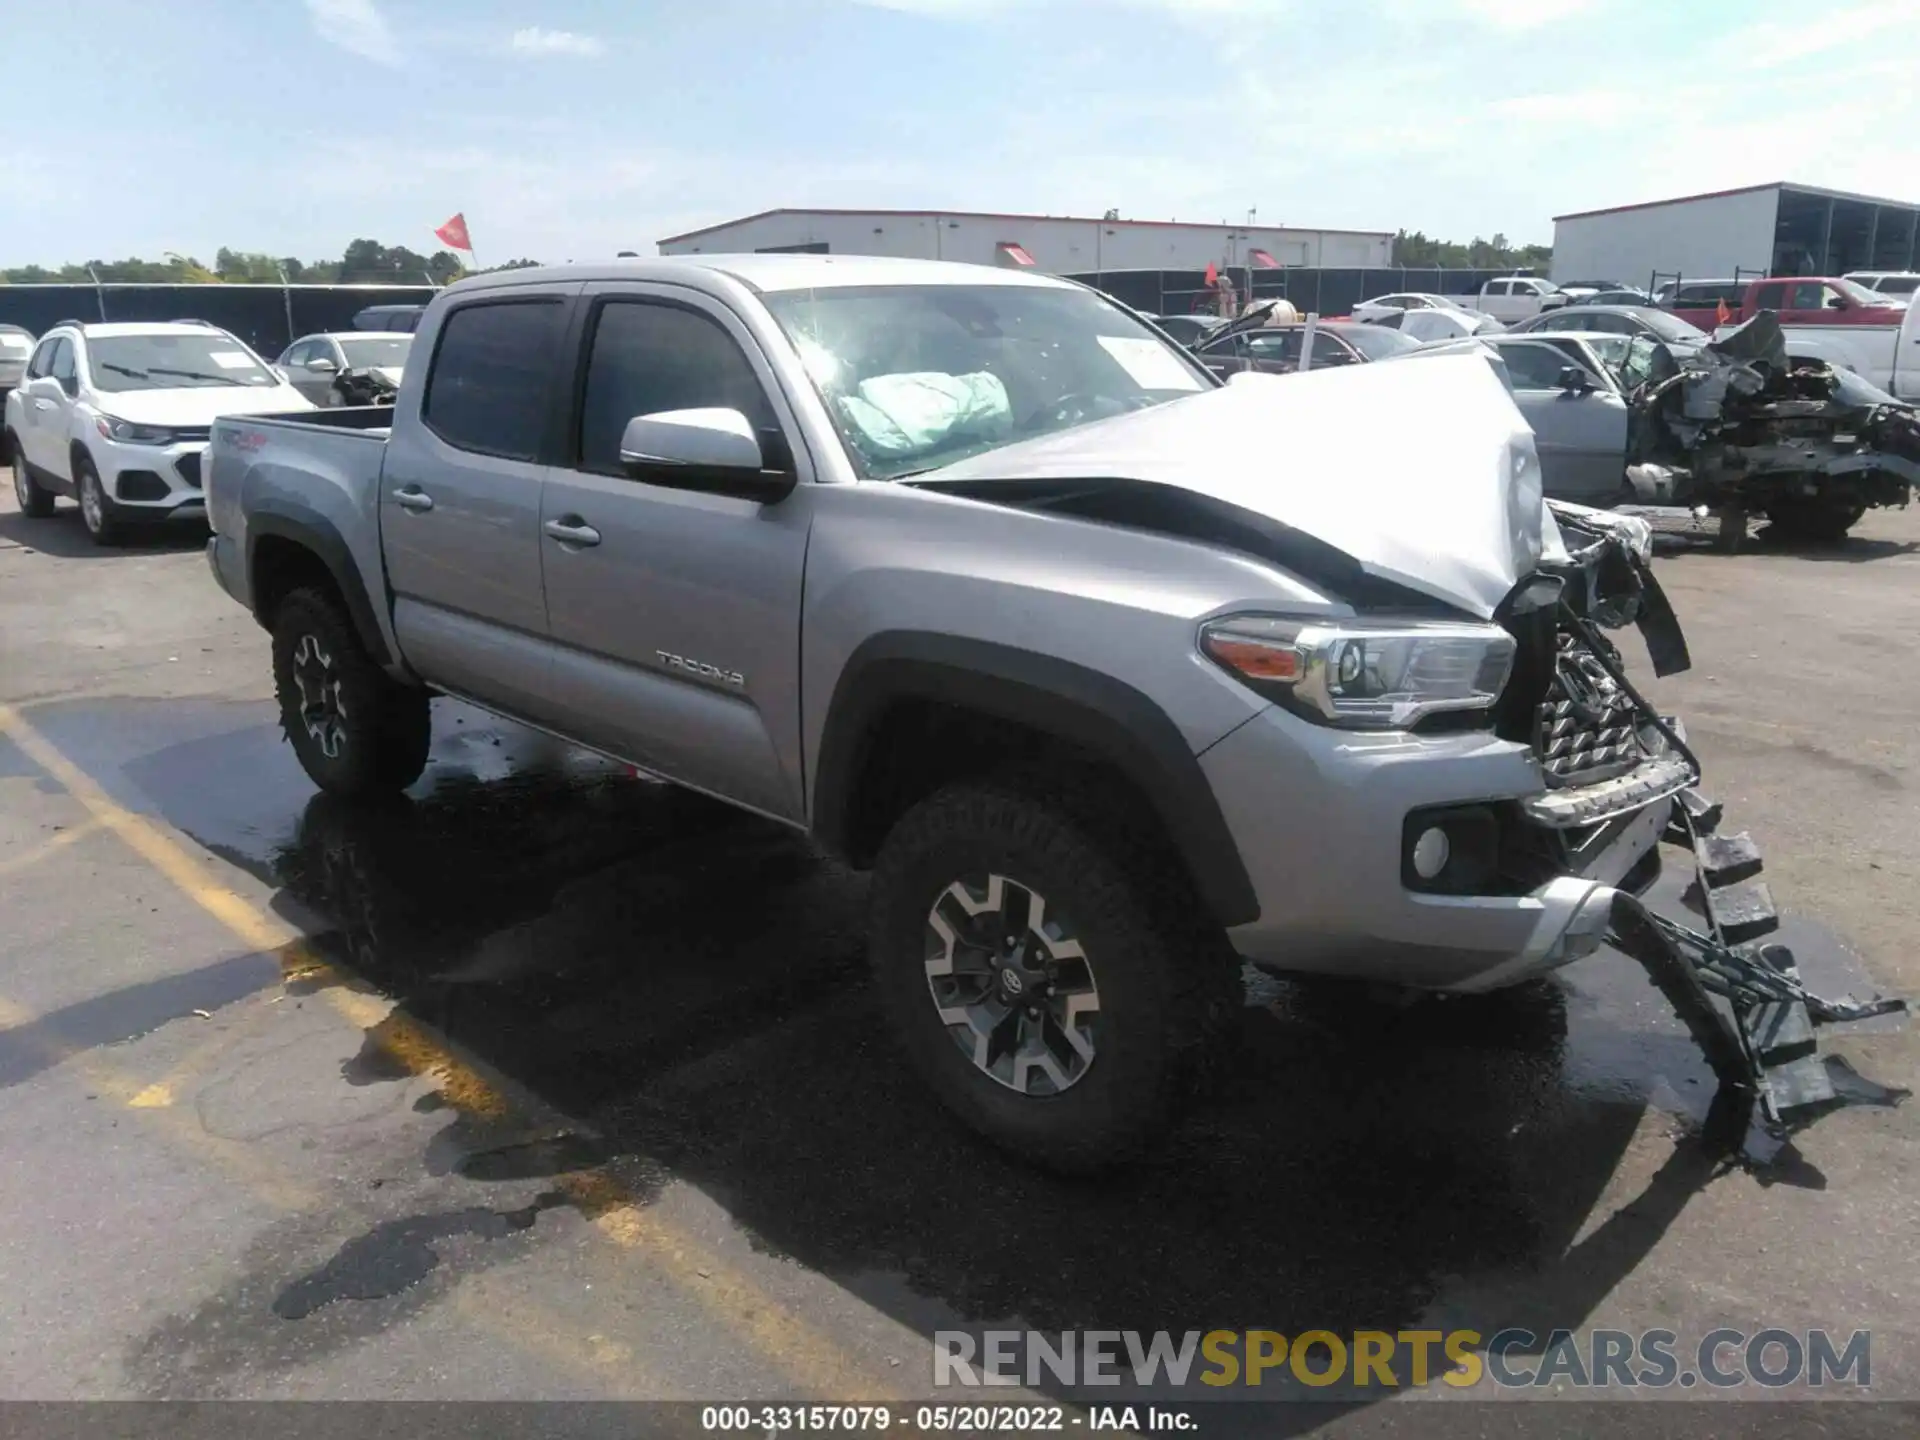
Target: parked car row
[{"x": 117, "y": 416}]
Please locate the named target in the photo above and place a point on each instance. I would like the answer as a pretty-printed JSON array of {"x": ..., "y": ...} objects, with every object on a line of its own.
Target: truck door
[
  {"x": 675, "y": 614},
  {"x": 460, "y": 499}
]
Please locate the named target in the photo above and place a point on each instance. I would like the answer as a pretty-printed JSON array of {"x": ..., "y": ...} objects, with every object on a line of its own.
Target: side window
[
  {"x": 1498, "y": 287},
  {"x": 1806, "y": 297},
  {"x": 298, "y": 354},
  {"x": 1553, "y": 320},
  {"x": 649, "y": 357},
  {"x": 1283, "y": 345},
  {"x": 42, "y": 360},
  {"x": 1769, "y": 297},
  {"x": 63, "y": 368},
  {"x": 1534, "y": 367},
  {"x": 491, "y": 382},
  {"x": 1328, "y": 351},
  {"x": 1827, "y": 296}
]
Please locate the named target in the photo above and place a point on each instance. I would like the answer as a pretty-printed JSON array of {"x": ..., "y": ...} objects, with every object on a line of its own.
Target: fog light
[{"x": 1430, "y": 853}]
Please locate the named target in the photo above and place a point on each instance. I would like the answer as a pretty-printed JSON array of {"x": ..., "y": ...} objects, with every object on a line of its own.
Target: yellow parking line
[{"x": 807, "y": 1355}]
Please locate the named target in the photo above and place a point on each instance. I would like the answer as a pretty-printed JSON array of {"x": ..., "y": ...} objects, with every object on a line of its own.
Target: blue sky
[{"x": 570, "y": 129}]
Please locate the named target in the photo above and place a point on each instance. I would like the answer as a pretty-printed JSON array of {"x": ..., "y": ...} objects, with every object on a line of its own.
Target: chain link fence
[
  {"x": 1322, "y": 290},
  {"x": 267, "y": 317}
]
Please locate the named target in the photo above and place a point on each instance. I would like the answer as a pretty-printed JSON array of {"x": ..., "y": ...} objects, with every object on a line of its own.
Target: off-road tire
[
  {"x": 35, "y": 500},
  {"x": 1169, "y": 983},
  {"x": 384, "y": 727},
  {"x": 97, "y": 515},
  {"x": 1814, "y": 521}
]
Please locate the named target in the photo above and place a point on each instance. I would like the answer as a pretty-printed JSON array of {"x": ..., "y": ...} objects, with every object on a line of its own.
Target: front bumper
[
  {"x": 1320, "y": 817},
  {"x": 156, "y": 482}
]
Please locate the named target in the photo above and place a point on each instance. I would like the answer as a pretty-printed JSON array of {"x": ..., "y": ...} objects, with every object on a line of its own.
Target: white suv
[{"x": 117, "y": 416}]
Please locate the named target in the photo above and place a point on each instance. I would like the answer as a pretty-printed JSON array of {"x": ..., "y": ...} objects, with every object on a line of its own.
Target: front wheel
[
  {"x": 1821, "y": 520},
  {"x": 35, "y": 500},
  {"x": 1056, "y": 994},
  {"x": 356, "y": 731},
  {"x": 96, "y": 510}
]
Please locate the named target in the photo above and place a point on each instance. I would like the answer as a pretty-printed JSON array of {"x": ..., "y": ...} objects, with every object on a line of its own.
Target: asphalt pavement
[{"x": 551, "y": 1083}]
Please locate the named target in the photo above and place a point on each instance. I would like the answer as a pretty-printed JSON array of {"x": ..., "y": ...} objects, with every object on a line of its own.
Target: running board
[{"x": 1740, "y": 995}]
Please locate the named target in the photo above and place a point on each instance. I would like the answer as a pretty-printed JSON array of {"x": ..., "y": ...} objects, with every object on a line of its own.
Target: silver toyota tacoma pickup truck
[{"x": 1113, "y": 675}]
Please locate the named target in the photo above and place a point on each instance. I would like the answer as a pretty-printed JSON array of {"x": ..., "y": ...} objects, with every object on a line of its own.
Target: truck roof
[{"x": 769, "y": 273}]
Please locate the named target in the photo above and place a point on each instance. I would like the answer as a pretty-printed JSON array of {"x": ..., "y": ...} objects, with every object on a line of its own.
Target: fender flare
[
  {"x": 314, "y": 532},
  {"x": 1102, "y": 715}
]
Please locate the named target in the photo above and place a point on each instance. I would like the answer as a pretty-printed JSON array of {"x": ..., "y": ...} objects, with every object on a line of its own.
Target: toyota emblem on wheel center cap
[{"x": 1011, "y": 982}]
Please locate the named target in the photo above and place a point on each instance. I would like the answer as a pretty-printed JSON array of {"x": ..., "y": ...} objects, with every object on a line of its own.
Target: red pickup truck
[{"x": 1797, "y": 300}]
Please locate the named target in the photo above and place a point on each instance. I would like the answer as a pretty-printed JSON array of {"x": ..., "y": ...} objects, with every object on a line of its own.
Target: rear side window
[
  {"x": 491, "y": 383},
  {"x": 648, "y": 358}
]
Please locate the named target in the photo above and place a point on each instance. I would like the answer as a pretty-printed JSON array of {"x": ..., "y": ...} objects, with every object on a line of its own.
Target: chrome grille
[{"x": 1586, "y": 729}]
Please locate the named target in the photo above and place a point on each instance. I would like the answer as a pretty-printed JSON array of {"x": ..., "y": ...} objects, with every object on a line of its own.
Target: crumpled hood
[
  {"x": 201, "y": 404},
  {"x": 1425, "y": 475}
]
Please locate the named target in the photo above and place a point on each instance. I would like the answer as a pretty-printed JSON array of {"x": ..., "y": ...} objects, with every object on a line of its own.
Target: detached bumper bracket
[{"x": 1741, "y": 997}]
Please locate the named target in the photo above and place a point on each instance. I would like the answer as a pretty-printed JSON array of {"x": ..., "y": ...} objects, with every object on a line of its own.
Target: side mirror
[
  {"x": 716, "y": 450},
  {"x": 1838, "y": 302},
  {"x": 320, "y": 365},
  {"x": 1574, "y": 380}
]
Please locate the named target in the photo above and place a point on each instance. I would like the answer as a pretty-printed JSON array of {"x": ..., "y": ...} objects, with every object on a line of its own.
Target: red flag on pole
[
  {"x": 1721, "y": 314},
  {"x": 1213, "y": 274},
  {"x": 454, "y": 235}
]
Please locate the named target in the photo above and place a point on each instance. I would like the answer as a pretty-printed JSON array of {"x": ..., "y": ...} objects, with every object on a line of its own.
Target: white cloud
[
  {"x": 1769, "y": 44},
  {"x": 535, "y": 41},
  {"x": 1523, "y": 14},
  {"x": 356, "y": 26}
]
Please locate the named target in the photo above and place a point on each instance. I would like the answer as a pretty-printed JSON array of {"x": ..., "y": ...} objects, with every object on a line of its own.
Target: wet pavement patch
[
  {"x": 532, "y": 1159},
  {"x": 397, "y": 1254}
]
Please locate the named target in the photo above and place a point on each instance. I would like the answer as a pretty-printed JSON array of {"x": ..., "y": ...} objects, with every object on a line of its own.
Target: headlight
[
  {"x": 1364, "y": 674},
  {"x": 129, "y": 433}
]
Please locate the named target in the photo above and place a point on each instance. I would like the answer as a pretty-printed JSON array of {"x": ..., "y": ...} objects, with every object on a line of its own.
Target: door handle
[
  {"x": 43, "y": 404},
  {"x": 413, "y": 498},
  {"x": 572, "y": 531}
]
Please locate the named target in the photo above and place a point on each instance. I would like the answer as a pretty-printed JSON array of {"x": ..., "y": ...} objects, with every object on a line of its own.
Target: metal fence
[
  {"x": 267, "y": 317},
  {"x": 1323, "y": 290}
]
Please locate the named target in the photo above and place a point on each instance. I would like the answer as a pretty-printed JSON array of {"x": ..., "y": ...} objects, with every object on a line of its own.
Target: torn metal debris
[{"x": 1743, "y": 428}]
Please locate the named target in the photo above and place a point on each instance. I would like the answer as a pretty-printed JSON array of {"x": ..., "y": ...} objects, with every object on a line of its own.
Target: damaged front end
[
  {"x": 1611, "y": 761},
  {"x": 1742, "y": 428}
]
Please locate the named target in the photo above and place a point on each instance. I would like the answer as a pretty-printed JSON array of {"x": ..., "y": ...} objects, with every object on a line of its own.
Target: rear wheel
[
  {"x": 356, "y": 731},
  {"x": 1055, "y": 992},
  {"x": 35, "y": 500},
  {"x": 1820, "y": 520},
  {"x": 96, "y": 510}
]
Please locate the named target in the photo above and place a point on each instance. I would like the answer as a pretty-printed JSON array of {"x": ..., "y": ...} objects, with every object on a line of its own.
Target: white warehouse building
[
  {"x": 1778, "y": 229},
  {"x": 1056, "y": 243}
]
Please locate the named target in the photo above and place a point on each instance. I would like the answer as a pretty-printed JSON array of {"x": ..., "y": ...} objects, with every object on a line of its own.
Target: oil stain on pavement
[{"x": 398, "y": 1254}]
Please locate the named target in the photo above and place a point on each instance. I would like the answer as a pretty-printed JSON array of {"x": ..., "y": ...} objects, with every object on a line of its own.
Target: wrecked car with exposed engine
[
  {"x": 1741, "y": 426},
  {"x": 996, "y": 592}
]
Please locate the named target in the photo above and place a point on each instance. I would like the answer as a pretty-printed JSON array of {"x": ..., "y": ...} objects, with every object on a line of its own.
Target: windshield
[
  {"x": 383, "y": 350},
  {"x": 173, "y": 362},
  {"x": 1859, "y": 294},
  {"x": 1898, "y": 284},
  {"x": 919, "y": 376},
  {"x": 1670, "y": 327},
  {"x": 1377, "y": 342}
]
